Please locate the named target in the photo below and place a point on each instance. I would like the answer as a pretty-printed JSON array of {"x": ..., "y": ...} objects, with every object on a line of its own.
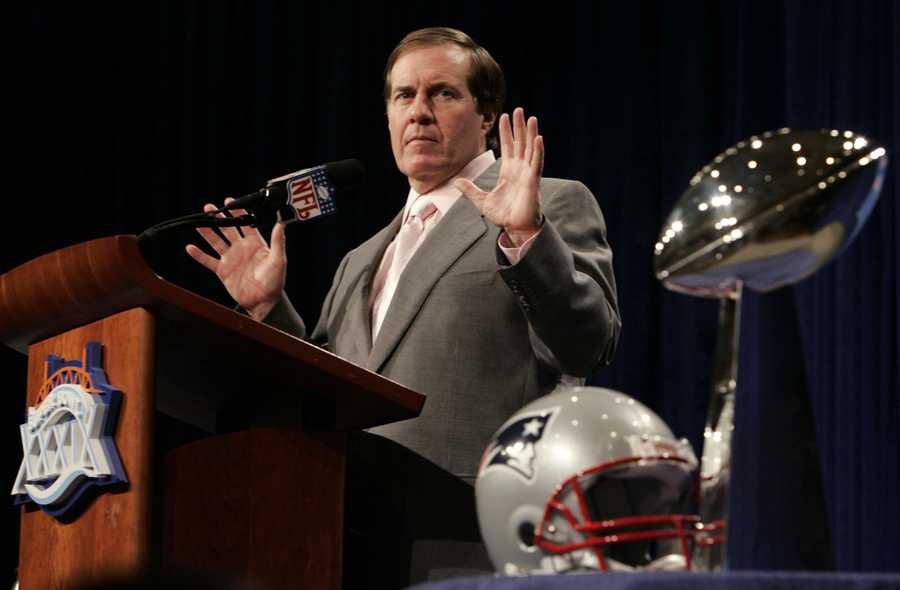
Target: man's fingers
[
  {"x": 246, "y": 231},
  {"x": 232, "y": 234},
  {"x": 278, "y": 247},
  {"x": 213, "y": 238},
  {"x": 519, "y": 132},
  {"x": 506, "y": 141},
  {"x": 472, "y": 192},
  {"x": 537, "y": 159},
  {"x": 529, "y": 138},
  {"x": 234, "y": 213},
  {"x": 202, "y": 257}
]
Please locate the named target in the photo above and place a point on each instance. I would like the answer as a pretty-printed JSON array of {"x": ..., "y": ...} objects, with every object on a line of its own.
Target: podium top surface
[{"x": 80, "y": 284}]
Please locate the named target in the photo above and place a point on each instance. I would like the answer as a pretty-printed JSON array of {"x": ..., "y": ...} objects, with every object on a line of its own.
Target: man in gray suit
[{"x": 509, "y": 286}]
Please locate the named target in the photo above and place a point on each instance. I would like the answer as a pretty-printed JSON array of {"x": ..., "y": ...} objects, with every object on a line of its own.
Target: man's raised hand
[
  {"x": 514, "y": 204},
  {"x": 252, "y": 271}
]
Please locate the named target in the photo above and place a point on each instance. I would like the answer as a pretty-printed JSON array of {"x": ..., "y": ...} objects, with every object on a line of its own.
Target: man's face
[{"x": 435, "y": 128}]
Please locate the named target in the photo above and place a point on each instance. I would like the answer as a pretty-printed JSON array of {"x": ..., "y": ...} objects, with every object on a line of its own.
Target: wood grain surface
[{"x": 113, "y": 533}]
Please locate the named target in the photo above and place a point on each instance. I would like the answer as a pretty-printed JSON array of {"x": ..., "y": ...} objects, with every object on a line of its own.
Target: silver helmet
[{"x": 587, "y": 478}]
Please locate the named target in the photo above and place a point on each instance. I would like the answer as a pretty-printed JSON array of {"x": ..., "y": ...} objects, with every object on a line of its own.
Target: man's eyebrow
[{"x": 436, "y": 85}]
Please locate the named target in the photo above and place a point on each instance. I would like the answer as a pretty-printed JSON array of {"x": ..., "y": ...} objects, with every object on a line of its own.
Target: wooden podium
[{"x": 261, "y": 497}]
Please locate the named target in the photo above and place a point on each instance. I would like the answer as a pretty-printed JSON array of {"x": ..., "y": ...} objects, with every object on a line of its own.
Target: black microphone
[
  {"x": 304, "y": 194},
  {"x": 298, "y": 196}
]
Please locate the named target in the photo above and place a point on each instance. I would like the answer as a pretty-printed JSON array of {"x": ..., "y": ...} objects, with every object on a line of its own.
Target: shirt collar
[{"x": 445, "y": 196}]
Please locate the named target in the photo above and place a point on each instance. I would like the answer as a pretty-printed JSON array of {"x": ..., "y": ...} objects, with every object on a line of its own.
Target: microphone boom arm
[{"x": 198, "y": 220}]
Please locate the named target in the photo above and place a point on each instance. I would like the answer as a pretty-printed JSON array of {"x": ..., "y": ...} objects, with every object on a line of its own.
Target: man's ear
[{"x": 487, "y": 121}]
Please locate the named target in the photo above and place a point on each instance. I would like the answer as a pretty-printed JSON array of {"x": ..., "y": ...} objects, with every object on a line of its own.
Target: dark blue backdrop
[{"x": 121, "y": 117}]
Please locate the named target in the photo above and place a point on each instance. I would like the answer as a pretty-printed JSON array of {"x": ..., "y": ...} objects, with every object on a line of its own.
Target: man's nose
[{"x": 420, "y": 110}]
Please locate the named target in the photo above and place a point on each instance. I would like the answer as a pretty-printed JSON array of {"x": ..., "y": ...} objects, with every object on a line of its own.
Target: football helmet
[{"x": 587, "y": 478}]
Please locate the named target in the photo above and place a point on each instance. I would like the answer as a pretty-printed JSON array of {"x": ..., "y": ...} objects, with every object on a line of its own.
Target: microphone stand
[{"x": 199, "y": 220}]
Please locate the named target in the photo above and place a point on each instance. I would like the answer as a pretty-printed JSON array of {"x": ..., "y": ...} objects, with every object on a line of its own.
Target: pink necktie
[{"x": 401, "y": 250}]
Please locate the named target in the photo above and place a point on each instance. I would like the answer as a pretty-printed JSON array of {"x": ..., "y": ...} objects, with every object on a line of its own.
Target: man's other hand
[
  {"x": 514, "y": 204},
  {"x": 252, "y": 271}
]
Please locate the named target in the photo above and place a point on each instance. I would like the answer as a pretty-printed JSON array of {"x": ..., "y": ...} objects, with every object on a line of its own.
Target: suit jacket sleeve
[
  {"x": 284, "y": 317},
  {"x": 565, "y": 284}
]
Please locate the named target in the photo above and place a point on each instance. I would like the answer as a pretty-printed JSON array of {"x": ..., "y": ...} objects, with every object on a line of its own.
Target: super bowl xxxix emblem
[{"x": 67, "y": 441}]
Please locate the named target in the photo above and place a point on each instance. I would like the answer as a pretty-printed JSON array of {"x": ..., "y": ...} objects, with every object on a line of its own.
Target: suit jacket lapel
[
  {"x": 488, "y": 179},
  {"x": 459, "y": 229},
  {"x": 367, "y": 258}
]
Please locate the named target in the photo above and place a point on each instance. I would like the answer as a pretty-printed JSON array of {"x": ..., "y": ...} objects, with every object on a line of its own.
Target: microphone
[
  {"x": 298, "y": 196},
  {"x": 304, "y": 194}
]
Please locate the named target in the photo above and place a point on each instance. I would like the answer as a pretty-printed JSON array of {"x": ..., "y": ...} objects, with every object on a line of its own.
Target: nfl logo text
[{"x": 312, "y": 194}]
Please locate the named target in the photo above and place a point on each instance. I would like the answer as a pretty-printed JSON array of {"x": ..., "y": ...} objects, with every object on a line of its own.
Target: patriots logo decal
[{"x": 514, "y": 446}]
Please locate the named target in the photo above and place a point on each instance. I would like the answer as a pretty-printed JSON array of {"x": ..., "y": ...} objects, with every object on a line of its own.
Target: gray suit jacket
[{"x": 479, "y": 337}]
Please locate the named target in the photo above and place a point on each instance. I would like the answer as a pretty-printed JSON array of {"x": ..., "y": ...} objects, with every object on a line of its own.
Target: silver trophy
[{"x": 765, "y": 213}]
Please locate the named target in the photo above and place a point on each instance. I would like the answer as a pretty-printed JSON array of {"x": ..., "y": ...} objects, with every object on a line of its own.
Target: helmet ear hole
[{"x": 526, "y": 534}]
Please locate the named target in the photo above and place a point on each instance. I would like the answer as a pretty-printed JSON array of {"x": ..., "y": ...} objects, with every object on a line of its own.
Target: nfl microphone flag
[{"x": 310, "y": 194}]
